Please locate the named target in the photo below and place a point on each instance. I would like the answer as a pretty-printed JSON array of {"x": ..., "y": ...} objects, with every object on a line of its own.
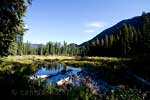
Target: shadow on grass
[{"x": 15, "y": 82}]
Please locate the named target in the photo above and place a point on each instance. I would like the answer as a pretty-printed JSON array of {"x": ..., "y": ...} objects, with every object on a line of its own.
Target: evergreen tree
[
  {"x": 46, "y": 50},
  {"x": 97, "y": 42},
  {"x": 106, "y": 41},
  {"x": 93, "y": 44},
  {"x": 27, "y": 48},
  {"x": 131, "y": 31},
  {"x": 102, "y": 42},
  {"x": 111, "y": 39},
  {"x": 11, "y": 22},
  {"x": 146, "y": 33},
  {"x": 65, "y": 48},
  {"x": 13, "y": 48},
  {"x": 41, "y": 49},
  {"x": 125, "y": 40},
  {"x": 19, "y": 41}
]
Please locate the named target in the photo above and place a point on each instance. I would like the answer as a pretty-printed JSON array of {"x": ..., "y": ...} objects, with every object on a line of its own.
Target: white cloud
[
  {"x": 89, "y": 31},
  {"x": 96, "y": 24}
]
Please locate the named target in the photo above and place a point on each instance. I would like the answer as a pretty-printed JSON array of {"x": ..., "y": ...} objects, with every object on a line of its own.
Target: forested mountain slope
[
  {"x": 123, "y": 39},
  {"x": 135, "y": 21}
]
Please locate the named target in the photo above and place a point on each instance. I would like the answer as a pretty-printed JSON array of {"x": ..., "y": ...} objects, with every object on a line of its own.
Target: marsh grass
[
  {"x": 27, "y": 65},
  {"x": 15, "y": 71},
  {"x": 7, "y": 63}
]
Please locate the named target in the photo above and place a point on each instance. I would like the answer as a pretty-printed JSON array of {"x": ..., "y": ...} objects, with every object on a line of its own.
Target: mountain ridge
[{"x": 134, "y": 21}]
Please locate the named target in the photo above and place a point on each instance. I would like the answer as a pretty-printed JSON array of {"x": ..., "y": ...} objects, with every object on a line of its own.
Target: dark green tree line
[
  {"x": 124, "y": 42},
  {"x": 51, "y": 48},
  {"x": 146, "y": 33}
]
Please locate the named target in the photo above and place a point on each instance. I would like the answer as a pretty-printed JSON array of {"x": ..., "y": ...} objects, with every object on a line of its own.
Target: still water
[
  {"x": 78, "y": 76},
  {"x": 55, "y": 73}
]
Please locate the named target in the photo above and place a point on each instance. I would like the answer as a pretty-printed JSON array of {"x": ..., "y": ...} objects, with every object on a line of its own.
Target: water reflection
[
  {"x": 74, "y": 76},
  {"x": 55, "y": 73}
]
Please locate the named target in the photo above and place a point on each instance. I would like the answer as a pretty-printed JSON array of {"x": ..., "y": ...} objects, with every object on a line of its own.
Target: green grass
[
  {"x": 7, "y": 62},
  {"x": 14, "y": 71}
]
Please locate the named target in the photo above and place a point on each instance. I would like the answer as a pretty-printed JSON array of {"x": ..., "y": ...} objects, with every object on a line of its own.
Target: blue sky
[{"x": 77, "y": 21}]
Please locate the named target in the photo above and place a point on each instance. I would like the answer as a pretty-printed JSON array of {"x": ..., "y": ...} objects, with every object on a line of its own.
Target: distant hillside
[
  {"x": 38, "y": 45},
  {"x": 73, "y": 44},
  {"x": 127, "y": 38},
  {"x": 135, "y": 21},
  {"x": 35, "y": 45}
]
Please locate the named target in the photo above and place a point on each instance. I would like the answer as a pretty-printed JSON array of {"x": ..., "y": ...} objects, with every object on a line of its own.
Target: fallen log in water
[
  {"x": 63, "y": 81},
  {"x": 49, "y": 75},
  {"x": 132, "y": 75},
  {"x": 142, "y": 80}
]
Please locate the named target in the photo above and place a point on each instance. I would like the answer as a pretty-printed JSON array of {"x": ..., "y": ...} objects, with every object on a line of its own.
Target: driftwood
[
  {"x": 145, "y": 82},
  {"x": 142, "y": 80},
  {"x": 50, "y": 75}
]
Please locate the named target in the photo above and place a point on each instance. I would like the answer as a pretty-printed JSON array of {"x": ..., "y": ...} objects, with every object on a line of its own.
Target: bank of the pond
[
  {"x": 73, "y": 76},
  {"x": 7, "y": 62},
  {"x": 100, "y": 72}
]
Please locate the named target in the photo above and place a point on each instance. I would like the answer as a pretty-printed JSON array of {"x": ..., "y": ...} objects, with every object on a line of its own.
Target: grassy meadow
[
  {"x": 15, "y": 71},
  {"x": 69, "y": 60}
]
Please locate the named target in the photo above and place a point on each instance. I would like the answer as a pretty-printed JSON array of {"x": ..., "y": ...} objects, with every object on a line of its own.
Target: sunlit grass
[
  {"x": 36, "y": 57},
  {"x": 6, "y": 63},
  {"x": 20, "y": 67}
]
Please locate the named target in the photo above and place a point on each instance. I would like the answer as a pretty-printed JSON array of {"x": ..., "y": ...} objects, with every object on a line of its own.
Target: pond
[
  {"x": 55, "y": 73},
  {"x": 75, "y": 76}
]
